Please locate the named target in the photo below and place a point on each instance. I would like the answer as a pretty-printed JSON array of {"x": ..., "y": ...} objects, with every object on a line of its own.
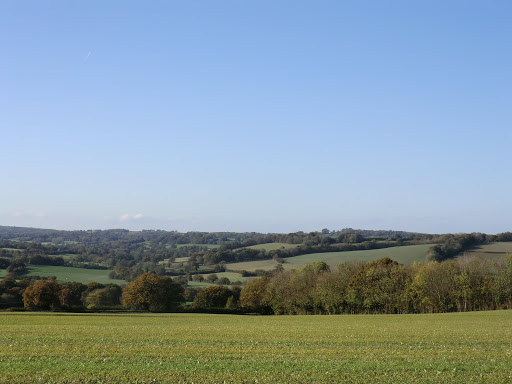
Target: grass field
[
  {"x": 232, "y": 276},
  {"x": 272, "y": 246},
  {"x": 65, "y": 256},
  {"x": 185, "y": 348},
  {"x": 3, "y": 273},
  {"x": 406, "y": 255},
  {"x": 64, "y": 274},
  {"x": 209, "y": 246},
  {"x": 493, "y": 250}
]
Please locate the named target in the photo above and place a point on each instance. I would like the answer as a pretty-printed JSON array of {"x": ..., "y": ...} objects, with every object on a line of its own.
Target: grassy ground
[
  {"x": 3, "y": 273},
  {"x": 405, "y": 255},
  {"x": 272, "y": 246},
  {"x": 493, "y": 250},
  {"x": 82, "y": 275},
  {"x": 232, "y": 276},
  {"x": 66, "y": 256},
  {"x": 209, "y": 246},
  {"x": 186, "y": 348}
]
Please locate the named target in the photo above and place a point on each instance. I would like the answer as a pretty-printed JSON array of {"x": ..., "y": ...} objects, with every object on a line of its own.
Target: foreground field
[
  {"x": 405, "y": 255},
  {"x": 143, "y": 348}
]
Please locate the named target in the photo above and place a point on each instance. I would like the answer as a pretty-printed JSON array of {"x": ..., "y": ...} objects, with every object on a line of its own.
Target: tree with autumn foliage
[
  {"x": 43, "y": 295},
  {"x": 153, "y": 293}
]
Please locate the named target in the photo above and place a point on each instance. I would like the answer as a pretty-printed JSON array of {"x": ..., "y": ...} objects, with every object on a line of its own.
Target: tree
[
  {"x": 212, "y": 297},
  {"x": 70, "y": 294},
  {"x": 380, "y": 286},
  {"x": 105, "y": 297},
  {"x": 434, "y": 286},
  {"x": 503, "y": 287},
  {"x": 212, "y": 278},
  {"x": 42, "y": 295},
  {"x": 153, "y": 293},
  {"x": 252, "y": 297},
  {"x": 331, "y": 288},
  {"x": 223, "y": 281}
]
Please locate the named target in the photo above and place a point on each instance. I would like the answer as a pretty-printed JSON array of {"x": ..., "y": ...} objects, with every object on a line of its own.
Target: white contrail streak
[{"x": 88, "y": 54}]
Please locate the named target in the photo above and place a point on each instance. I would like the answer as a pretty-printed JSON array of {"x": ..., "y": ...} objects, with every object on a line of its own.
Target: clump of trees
[
  {"x": 146, "y": 293},
  {"x": 383, "y": 286},
  {"x": 452, "y": 245},
  {"x": 49, "y": 295},
  {"x": 153, "y": 293}
]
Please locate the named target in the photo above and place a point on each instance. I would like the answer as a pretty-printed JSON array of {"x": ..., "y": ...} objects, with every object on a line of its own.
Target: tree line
[
  {"x": 383, "y": 286},
  {"x": 128, "y": 254}
]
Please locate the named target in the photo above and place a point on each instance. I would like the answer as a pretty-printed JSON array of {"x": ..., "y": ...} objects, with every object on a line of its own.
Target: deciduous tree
[{"x": 153, "y": 293}]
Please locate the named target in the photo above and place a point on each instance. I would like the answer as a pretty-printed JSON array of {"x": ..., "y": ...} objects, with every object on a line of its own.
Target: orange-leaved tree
[{"x": 153, "y": 293}]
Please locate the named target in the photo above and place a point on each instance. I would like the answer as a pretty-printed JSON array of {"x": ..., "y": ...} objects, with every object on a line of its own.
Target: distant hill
[
  {"x": 13, "y": 230},
  {"x": 379, "y": 233}
]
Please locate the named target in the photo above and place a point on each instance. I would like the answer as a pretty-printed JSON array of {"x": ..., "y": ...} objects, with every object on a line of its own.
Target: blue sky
[{"x": 270, "y": 116}]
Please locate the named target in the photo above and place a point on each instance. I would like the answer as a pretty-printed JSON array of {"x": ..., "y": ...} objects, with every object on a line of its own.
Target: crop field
[
  {"x": 272, "y": 246},
  {"x": 65, "y": 274},
  {"x": 232, "y": 276},
  {"x": 407, "y": 254},
  {"x": 209, "y": 246},
  {"x": 65, "y": 256},
  {"x": 493, "y": 250},
  {"x": 185, "y": 348}
]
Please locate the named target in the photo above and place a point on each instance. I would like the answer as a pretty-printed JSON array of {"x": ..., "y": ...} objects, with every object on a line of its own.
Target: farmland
[
  {"x": 58, "y": 348},
  {"x": 272, "y": 246},
  {"x": 65, "y": 274},
  {"x": 404, "y": 255},
  {"x": 493, "y": 250},
  {"x": 232, "y": 276},
  {"x": 209, "y": 246}
]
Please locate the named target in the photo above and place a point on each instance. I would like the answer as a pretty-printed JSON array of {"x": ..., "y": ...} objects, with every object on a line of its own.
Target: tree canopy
[{"x": 153, "y": 293}]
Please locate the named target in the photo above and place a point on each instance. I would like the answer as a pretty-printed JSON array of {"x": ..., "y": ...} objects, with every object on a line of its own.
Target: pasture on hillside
[
  {"x": 407, "y": 254},
  {"x": 67, "y": 274},
  {"x": 168, "y": 348},
  {"x": 272, "y": 246},
  {"x": 493, "y": 250},
  {"x": 209, "y": 246},
  {"x": 232, "y": 276}
]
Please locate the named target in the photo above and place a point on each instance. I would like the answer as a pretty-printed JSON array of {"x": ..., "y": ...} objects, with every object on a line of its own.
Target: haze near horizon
[{"x": 257, "y": 116}]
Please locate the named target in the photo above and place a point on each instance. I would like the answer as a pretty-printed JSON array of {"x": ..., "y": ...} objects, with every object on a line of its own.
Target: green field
[
  {"x": 272, "y": 246},
  {"x": 82, "y": 275},
  {"x": 181, "y": 259},
  {"x": 493, "y": 250},
  {"x": 3, "y": 273},
  {"x": 232, "y": 276},
  {"x": 209, "y": 246},
  {"x": 65, "y": 256},
  {"x": 407, "y": 254},
  {"x": 185, "y": 348}
]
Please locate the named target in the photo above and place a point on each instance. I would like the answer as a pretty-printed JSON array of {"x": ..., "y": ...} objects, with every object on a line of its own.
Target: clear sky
[{"x": 269, "y": 116}]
